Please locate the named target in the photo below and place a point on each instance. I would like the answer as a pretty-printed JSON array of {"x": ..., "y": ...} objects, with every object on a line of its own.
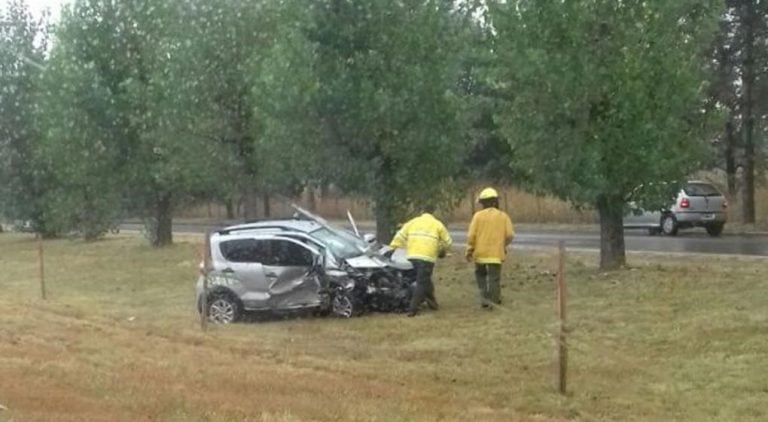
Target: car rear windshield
[
  {"x": 700, "y": 189},
  {"x": 341, "y": 244}
]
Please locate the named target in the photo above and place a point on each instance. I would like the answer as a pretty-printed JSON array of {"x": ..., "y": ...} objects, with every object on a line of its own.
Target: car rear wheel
[
  {"x": 715, "y": 229},
  {"x": 223, "y": 308},
  {"x": 669, "y": 225}
]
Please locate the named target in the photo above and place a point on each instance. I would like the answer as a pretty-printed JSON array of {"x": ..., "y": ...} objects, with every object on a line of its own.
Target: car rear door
[
  {"x": 243, "y": 259},
  {"x": 293, "y": 280}
]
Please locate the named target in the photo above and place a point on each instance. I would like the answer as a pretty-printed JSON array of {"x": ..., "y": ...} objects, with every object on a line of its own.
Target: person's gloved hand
[
  {"x": 442, "y": 253},
  {"x": 469, "y": 254}
]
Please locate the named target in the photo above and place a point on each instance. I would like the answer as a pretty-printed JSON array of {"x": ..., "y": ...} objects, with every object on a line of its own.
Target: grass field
[{"x": 672, "y": 338}]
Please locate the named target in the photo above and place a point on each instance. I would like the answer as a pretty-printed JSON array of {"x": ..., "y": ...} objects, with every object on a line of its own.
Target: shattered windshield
[{"x": 341, "y": 244}]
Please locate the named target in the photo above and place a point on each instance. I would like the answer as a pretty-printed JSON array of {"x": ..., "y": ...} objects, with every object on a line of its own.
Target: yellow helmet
[{"x": 488, "y": 193}]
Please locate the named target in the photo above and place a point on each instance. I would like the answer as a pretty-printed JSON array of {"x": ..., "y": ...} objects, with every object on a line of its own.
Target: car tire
[
  {"x": 715, "y": 229},
  {"x": 223, "y": 308},
  {"x": 669, "y": 225},
  {"x": 345, "y": 305}
]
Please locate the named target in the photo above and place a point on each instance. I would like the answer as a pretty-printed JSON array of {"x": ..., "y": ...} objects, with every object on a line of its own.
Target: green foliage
[
  {"x": 377, "y": 98},
  {"x": 23, "y": 175},
  {"x": 224, "y": 38},
  {"x": 603, "y": 96},
  {"x": 284, "y": 87},
  {"x": 121, "y": 115},
  {"x": 143, "y": 106}
]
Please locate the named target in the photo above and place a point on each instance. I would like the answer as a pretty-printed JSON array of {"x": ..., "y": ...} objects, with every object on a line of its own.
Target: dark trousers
[
  {"x": 488, "y": 277},
  {"x": 425, "y": 290}
]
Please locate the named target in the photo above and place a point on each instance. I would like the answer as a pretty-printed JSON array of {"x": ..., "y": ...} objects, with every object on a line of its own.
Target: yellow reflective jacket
[
  {"x": 488, "y": 234},
  {"x": 422, "y": 237}
]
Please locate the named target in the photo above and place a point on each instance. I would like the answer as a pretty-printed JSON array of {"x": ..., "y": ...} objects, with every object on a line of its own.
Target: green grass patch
[{"x": 672, "y": 338}]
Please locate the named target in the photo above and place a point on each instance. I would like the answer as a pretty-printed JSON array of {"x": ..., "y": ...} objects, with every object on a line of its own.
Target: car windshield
[
  {"x": 700, "y": 189},
  {"x": 341, "y": 244}
]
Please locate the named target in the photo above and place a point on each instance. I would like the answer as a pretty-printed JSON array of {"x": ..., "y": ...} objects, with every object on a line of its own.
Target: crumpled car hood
[{"x": 364, "y": 261}]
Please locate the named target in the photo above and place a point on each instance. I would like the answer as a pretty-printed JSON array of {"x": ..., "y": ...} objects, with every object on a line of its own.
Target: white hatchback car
[{"x": 698, "y": 204}]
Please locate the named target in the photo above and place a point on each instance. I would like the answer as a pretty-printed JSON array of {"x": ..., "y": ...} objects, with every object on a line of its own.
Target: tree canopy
[
  {"x": 138, "y": 108},
  {"x": 604, "y": 97}
]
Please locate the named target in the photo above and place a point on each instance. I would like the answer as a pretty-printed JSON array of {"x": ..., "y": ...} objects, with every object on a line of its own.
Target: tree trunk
[
  {"x": 748, "y": 114},
  {"x": 730, "y": 160},
  {"x": 748, "y": 195},
  {"x": 267, "y": 205},
  {"x": 311, "y": 199},
  {"x": 384, "y": 206},
  {"x": 249, "y": 206},
  {"x": 385, "y": 225},
  {"x": 230, "y": 205},
  {"x": 612, "y": 250},
  {"x": 163, "y": 222}
]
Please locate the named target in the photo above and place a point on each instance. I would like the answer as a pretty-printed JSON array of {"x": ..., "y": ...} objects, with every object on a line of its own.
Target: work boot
[{"x": 432, "y": 304}]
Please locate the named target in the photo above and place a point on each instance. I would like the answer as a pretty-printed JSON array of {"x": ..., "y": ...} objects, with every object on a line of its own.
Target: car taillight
[{"x": 685, "y": 203}]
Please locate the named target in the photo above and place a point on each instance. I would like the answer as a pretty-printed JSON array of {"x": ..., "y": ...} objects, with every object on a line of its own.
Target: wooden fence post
[
  {"x": 41, "y": 262},
  {"x": 562, "y": 347},
  {"x": 206, "y": 258}
]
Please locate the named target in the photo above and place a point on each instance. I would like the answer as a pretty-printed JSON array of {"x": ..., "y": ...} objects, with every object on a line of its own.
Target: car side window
[
  {"x": 245, "y": 250},
  {"x": 289, "y": 254}
]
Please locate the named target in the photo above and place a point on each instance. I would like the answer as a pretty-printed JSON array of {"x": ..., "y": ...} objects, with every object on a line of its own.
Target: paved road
[
  {"x": 688, "y": 242},
  {"x": 691, "y": 241}
]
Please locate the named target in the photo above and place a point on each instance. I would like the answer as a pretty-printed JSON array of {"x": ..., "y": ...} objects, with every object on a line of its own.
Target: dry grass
[
  {"x": 671, "y": 339},
  {"x": 522, "y": 206}
]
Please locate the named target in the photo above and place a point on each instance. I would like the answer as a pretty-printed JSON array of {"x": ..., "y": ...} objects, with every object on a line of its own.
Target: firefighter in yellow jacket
[
  {"x": 490, "y": 232},
  {"x": 425, "y": 239}
]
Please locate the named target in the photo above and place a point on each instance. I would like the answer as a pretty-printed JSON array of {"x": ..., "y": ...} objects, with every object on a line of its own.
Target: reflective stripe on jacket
[
  {"x": 488, "y": 234},
  {"x": 422, "y": 237}
]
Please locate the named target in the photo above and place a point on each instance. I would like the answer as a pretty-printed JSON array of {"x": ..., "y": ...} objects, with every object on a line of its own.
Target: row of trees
[
  {"x": 740, "y": 86},
  {"x": 138, "y": 107}
]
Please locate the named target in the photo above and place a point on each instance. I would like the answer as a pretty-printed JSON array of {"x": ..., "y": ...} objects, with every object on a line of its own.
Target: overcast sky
[{"x": 38, "y": 6}]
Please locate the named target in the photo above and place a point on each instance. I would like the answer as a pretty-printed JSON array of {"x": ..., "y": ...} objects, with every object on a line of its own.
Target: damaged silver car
[{"x": 300, "y": 263}]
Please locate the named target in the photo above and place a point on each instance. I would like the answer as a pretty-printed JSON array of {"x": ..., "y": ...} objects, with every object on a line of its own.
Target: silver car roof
[
  {"x": 267, "y": 236},
  {"x": 304, "y": 226}
]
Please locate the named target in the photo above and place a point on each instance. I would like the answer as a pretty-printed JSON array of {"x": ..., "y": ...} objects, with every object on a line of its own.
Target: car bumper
[{"x": 700, "y": 218}]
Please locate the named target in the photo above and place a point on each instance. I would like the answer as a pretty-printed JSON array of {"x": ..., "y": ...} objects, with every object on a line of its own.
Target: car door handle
[{"x": 228, "y": 271}]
